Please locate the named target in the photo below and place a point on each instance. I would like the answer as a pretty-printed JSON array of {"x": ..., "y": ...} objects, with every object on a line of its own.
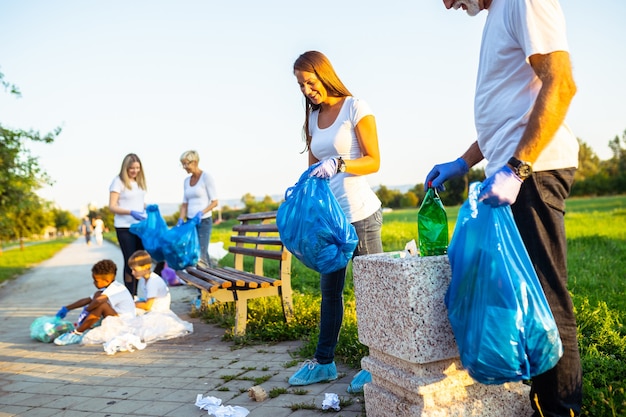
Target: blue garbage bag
[
  {"x": 313, "y": 227},
  {"x": 498, "y": 311},
  {"x": 181, "y": 246},
  {"x": 152, "y": 230},
  {"x": 47, "y": 328}
]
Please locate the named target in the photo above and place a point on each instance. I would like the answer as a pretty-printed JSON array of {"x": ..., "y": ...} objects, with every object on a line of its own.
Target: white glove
[{"x": 325, "y": 169}]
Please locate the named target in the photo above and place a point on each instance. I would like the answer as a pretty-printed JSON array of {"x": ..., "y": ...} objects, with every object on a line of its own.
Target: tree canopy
[{"x": 21, "y": 210}]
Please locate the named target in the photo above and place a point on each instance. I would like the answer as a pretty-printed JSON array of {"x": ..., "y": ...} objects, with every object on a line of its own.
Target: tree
[
  {"x": 20, "y": 174},
  {"x": 588, "y": 162},
  {"x": 28, "y": 217},
  {"x": 64, "y": 221}
]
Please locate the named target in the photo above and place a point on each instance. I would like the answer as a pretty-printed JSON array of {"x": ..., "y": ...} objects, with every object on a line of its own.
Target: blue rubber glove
[
  {"x": 500, "y": 189},
  {"x": 198, "y": 216},
  {"x": 324, "y": 169},
  {"x": 179, "y": 222},
  {"x": 443, "y": 172},
  {"x": 62, "y": 312},
  {"x": 137, "y": 215}
]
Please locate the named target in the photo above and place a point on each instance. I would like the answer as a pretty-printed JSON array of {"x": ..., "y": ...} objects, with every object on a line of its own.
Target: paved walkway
[{"x": 42, "y": 379}]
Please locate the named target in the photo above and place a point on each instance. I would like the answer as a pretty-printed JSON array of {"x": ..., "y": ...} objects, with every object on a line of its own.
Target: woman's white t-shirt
[
  {"x": 199, "y": 196},
  {"x": 131, "y": 199},
  {"x": 354, "y": 194}
]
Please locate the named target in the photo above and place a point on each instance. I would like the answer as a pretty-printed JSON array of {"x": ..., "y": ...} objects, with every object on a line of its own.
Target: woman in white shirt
[
  {"x": 342, "y": 141},
  {"x": 126, "y": 201},
  {"x": 199, "y": 199}
]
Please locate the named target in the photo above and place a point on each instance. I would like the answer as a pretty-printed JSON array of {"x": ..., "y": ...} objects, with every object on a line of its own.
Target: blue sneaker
[
  {"x": 70, "y": 338},
  {"x": 313, "y": 372},
  {"x": 360, "y": 379}
]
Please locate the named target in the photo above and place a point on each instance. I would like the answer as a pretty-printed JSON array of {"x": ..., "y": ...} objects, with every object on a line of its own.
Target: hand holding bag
[
  {"x": 313, "y": 227},
  {"x": 151, "y": 231},
  {"x": 500, "y": 317}
]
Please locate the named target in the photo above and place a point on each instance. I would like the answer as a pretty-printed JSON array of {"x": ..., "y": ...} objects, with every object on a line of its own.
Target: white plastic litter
[
  {"x": 123, "y": 343},
  {"x": 149, "y": 328},
  {"x": 216, "y": 251},
  {"x": 214, "y": 407},
  {"x": 331, "y": 400}
]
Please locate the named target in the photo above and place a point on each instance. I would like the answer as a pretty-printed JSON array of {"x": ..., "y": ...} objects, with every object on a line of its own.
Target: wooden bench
[{"x": 255, "y": 237}]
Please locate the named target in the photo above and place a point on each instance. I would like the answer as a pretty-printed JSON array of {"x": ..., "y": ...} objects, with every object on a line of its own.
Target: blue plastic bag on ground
[
  {"x": 181, "y": 246},
  {"x": 47, "y": 328},
  {"x": 501, "y": 319},
  {"x": 313, "y": 227},
  {"x": 151, "y": 230}
]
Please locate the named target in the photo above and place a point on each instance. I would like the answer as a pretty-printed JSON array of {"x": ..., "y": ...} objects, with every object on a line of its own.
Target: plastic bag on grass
[
  {"x": 313, "y": 227},
  {"x": 151, "y": 231},
  {"x": 47, "y": 328},
  {"x": 499, "y": 314}
]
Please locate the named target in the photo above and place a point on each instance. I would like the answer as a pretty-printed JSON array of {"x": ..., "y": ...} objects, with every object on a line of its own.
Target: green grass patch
[{"x": 15, "y": 261}]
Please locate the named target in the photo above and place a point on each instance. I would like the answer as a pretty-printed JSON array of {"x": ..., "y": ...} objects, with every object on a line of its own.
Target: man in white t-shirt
[{"x": 523, "y": 91}]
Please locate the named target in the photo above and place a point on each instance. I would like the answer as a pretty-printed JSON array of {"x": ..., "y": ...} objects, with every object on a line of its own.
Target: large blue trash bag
[
  {"x": 313, "y": 227},
  {"x": 151, "y": 230},
  {"x": 181, "y": 246},
  {"x": 47, "y": 328},
  {"x": 500, "y": 317}
]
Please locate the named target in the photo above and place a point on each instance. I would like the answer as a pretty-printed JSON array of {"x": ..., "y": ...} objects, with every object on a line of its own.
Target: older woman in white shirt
[{"x": 199, "y": 200}]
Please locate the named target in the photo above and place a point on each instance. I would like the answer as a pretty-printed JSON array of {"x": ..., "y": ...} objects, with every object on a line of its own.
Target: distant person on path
[
  {"x": 199, "y": 200},
  {"x": 524, "y": 89},
  {"x": 126, "y": 199},
  {"x": 342, "y": 139},
  {"x": 153, "y": 293},
  {"x": 111, "y": 299},
  {"x": 98, "y": 230},
  {"x": 86, "y": 229}
]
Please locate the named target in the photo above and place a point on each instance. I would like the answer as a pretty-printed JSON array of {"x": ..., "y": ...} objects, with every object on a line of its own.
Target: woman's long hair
[
  {"x": 317, "y": 63},
  {"x": 141, "y": 179}
]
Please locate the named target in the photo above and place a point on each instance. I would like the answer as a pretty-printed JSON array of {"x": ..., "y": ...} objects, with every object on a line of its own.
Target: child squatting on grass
[
  {"x": 153, "y": 293},
  {"x": 111, "y": 299}
]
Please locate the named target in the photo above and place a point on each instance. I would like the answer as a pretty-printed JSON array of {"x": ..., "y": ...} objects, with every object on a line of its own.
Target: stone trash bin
[{"x": 413, "y": 357}]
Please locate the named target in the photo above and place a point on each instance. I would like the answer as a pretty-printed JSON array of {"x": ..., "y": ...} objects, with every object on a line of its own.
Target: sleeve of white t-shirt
[{"x": 539, "y": 26}]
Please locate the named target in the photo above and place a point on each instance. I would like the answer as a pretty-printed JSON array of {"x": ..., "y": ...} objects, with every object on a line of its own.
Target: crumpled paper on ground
[
  {"x": 126, "y": 342},
  {"x": 331, "y": 401},
  {"x": 214, "y": 407}
]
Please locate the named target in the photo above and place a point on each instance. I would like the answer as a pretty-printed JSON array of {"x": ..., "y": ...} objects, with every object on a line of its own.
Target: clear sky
[{"x": 161, "y": 77}]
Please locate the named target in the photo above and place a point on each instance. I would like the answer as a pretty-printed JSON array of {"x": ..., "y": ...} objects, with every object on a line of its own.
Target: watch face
[{"x": 524, "y": 170}]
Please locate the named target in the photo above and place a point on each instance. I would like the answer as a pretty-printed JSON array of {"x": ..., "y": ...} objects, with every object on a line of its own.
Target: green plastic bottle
[{"x": 432, "y": 225}]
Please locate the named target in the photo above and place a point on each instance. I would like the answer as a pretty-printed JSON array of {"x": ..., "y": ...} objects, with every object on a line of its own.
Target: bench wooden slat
[
  {"x": 197, "y": 282},
  {"x": 201, "y": 273},
  {"x": 258, "y": 253},
  {"x": 257, "y": 228},
  {"x": 261, "y": 240},
  {"x": 257, "y": 216},
  {"x": 270, "y": 281},
  {"x": 239, "y": 280},
  {"x": 231, "y": 279}
]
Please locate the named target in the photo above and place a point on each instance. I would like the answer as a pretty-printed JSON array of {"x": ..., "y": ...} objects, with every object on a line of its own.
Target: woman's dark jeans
[
  {"x": 129, "y": 243},
  {"x": 539, "y": 214},
  {"x": 368, "y": 230}
]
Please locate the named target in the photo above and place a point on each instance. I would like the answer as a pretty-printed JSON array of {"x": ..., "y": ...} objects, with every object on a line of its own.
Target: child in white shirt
[{"x": 153, "y": 293}]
